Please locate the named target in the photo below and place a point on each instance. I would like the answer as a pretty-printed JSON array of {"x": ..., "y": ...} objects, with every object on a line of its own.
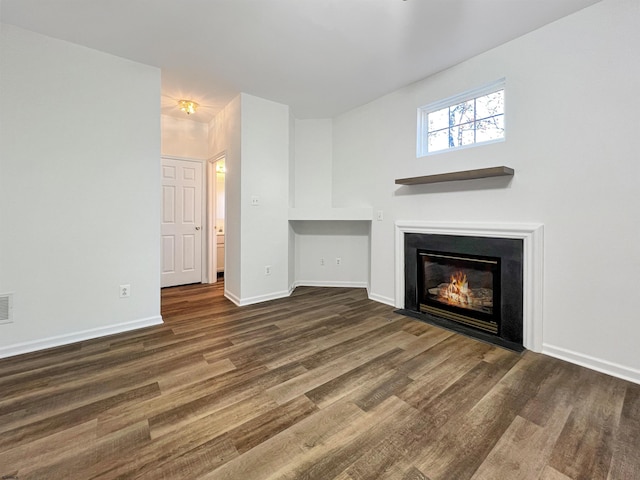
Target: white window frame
[{"x": 424, "y": 111}]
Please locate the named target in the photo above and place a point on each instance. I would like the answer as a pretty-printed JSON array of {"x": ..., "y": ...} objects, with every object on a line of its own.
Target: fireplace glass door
[{"x": 462, "y": 288}]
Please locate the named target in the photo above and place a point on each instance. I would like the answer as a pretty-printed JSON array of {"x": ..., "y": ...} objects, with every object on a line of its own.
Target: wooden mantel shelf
[{"x": 455, "y": 176}]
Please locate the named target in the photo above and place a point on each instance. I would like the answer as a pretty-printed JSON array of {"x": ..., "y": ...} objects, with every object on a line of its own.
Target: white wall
[
  {"x": 292, "y": 191},
  {"x": 328, "y": 240},
  {"x": 225, "y": 138},
  {"x": 313, "y": 164},
  {"x": 281, "y": 161},
  {"x": 572, "y": 117},
  {"x": 184, "y": 138},
  {"x": 265, "y": 175},
  {"x": 254, "y": 134},
  {"x": 79, "y": 191}
]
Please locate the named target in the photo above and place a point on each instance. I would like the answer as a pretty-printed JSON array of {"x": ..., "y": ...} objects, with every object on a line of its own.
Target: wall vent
[{"x": 6, "y": 302}]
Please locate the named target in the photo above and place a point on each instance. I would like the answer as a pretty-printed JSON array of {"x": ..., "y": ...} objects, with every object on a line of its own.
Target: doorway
[{"x": 216, "y": 209}]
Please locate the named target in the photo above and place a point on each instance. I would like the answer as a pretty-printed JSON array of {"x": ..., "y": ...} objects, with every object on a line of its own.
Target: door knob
[{"x": 197, "y": 228}]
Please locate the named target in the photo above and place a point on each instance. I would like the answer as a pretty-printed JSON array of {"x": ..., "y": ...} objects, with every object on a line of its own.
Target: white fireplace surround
[{"x": 532, "y": 236}]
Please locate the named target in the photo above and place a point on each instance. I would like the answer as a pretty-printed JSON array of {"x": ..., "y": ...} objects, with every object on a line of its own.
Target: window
[{"x": 465, "y": 120}]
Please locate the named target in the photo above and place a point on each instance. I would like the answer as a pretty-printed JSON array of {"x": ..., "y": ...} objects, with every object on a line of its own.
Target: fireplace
[
  {"x": 462, "y": 288},
  {"x": 470, "y": 284}
]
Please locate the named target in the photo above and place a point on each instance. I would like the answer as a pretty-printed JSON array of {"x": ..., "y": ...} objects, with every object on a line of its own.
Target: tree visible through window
[{"x": 468, "y": 119}]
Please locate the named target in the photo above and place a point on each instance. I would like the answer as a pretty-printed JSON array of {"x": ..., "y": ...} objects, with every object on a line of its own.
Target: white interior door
[{"x": 181, "y": 222}]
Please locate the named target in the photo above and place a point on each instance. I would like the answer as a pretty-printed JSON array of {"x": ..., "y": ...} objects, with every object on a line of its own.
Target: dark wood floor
[{"x": 323, "y": 385}]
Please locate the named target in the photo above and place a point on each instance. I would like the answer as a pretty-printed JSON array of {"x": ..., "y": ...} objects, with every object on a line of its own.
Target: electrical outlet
[
  {"x": 255, "y": 201},
  {"x": 125, "y": 291},
  {"x": 322, "y": 262},
  {"x": 338, "y": 261},
  {"x": 267, "y": 270}
]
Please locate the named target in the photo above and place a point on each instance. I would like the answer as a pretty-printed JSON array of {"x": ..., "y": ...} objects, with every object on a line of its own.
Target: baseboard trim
[
  {"x": 60, "y": 340},
  {"x": 380, "y": 299},
  {"x": 261, "y": 298},
  {"x": 231, "y": 297},
  {"x": 241, "y": 302},
  {"x": 329, "y": 283},
  {"x": 602, "y": 366},
  {"x": 372, "y": 296}
]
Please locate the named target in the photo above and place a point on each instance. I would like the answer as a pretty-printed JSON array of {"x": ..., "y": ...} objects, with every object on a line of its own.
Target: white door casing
[{"x": 181, "y": 228}]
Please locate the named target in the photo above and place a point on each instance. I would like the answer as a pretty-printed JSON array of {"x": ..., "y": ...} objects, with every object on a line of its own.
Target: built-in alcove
[{"x": 332, "y": 252}]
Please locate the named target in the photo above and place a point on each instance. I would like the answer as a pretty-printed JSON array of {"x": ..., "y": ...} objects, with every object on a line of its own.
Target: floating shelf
[
  {"x": 363, "y": 214},
  {"x": 456, "y": 176}
]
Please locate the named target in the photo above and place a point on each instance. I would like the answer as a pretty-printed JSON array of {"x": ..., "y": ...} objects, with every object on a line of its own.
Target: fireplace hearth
[{"x": 469, "y": 284}]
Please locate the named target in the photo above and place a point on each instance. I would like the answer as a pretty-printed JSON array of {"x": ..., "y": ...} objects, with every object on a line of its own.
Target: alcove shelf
[
  {"x": 501, "y": 171},
  {"x": 328, "y": 213}
]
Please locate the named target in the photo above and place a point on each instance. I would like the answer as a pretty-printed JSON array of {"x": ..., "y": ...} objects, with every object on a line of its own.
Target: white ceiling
[{"x": 321, "y": 57}]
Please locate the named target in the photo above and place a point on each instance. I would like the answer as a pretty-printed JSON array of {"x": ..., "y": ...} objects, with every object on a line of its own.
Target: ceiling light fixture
[{"x": 187, "y": 106}]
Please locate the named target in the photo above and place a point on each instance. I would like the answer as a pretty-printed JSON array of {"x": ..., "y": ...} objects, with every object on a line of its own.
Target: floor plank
[{"x": 325, "y": 384}]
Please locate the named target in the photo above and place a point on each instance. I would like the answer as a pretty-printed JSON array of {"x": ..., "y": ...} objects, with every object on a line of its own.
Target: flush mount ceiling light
[{"x": 187, "y": 106}]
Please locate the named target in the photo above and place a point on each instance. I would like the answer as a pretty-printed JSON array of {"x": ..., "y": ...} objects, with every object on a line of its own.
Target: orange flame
[{"x": 458, "y": 289}]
